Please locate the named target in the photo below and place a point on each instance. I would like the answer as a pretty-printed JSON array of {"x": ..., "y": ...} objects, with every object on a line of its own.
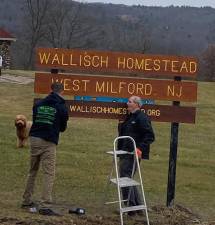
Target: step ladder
[{"x": 121, "y": 182}]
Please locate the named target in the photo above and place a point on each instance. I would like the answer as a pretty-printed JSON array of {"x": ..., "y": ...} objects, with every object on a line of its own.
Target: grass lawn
[{"x": 83, "y": 166}]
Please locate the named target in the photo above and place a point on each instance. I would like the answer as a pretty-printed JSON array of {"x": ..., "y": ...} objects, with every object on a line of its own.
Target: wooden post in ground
[
  {"x": 173, "y": 158},
  {"x": 0, "y": 64}
]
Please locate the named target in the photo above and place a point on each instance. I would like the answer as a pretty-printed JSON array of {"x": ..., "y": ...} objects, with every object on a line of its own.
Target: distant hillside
[
  {"x": 160, "y": 30},
  {"x": 182, "y": 30}
]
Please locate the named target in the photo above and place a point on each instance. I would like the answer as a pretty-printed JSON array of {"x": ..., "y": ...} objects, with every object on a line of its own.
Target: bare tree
[
  {"x": 35, "y": 20},
  {"x": 207, "y": 63},
  {"x": 130, "y": 34},
  {"x": 67, "y": 26},
  {"x": 56, "y": 22},
  {"x": 84, "y": 35}
]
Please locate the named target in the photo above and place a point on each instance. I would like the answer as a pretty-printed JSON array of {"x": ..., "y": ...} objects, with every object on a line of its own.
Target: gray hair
[
  {"x": 137, "y": 100},
  {"x": 57, "y": 87}
]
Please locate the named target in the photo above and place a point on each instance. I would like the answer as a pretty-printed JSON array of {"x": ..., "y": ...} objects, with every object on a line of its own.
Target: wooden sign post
[
  {"x": 0, "y": 63},
  {"x": 173, "y": 158},
  {"x": 84, "y": 61}
]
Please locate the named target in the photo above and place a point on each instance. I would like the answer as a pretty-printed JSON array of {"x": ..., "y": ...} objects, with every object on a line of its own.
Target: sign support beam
[{"x": 173, "y": 159}]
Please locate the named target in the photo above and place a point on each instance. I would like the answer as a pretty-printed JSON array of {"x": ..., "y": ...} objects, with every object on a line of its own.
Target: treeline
[{"x": 70, "y": 24}]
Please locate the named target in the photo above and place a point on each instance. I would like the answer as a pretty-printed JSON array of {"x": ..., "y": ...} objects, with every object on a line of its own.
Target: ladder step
[
  {"x": 120, "y": 152},
  {"x": 133, "y": 208},
  {"x": 125, "y": 182},
  {"x": 108, "y": 203}
]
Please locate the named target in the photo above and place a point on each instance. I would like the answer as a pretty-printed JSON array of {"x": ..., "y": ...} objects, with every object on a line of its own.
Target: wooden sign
[
  {"x": 116, "y": 62},
  {"x": 116, "y": 110},
  {"x": 125, "y": 63},
  {"x": 113, "y": 110},
  {"x": 118, "y": 87}
]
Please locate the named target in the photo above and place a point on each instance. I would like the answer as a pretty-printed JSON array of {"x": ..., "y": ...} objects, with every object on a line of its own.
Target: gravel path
[{"x": 16, "y": 79}]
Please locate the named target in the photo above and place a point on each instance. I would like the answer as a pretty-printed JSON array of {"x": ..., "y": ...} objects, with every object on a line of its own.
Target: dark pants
[{"x": 131, "y": 193}]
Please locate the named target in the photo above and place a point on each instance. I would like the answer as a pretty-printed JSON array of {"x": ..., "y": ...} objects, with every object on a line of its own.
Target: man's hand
[{"x": 139, "y": 153}]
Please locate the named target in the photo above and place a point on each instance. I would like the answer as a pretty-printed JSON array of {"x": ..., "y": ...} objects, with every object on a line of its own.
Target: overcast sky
[{"x": 196, "y": 3}]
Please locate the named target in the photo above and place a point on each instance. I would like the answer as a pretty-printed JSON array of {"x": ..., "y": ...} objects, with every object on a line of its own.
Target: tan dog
[{"x": 22, "y": 130}]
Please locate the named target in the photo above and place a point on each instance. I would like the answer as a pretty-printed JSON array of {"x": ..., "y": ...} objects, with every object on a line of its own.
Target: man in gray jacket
[{"x": 138, "y": 126}]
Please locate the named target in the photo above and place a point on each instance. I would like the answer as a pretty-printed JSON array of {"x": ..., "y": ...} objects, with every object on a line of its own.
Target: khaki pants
[{"x": 43, "y": 152}]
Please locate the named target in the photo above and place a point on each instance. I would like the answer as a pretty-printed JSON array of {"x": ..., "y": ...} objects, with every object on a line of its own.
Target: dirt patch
[
  {"x": 96, "y": 220},
  {"x": 16, "y": 79},
  {"x": 159, "y": 215},
  {"x": 178, "y": 215}
]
